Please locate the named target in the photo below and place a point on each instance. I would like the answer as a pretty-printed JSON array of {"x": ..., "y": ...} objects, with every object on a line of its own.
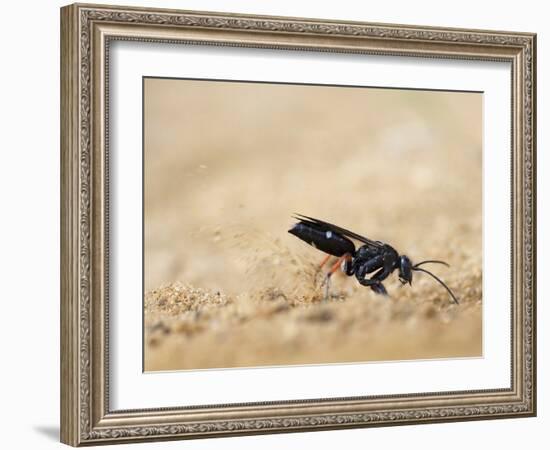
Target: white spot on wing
[{"x": 328, "y": 234}]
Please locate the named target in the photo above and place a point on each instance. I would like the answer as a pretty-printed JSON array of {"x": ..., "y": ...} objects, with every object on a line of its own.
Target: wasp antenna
[
  {"x": 441, "y": 282},
  {"x": 435, "y": 261}
]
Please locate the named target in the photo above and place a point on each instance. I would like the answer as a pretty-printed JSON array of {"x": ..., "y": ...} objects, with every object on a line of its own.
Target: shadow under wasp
[{"x": 373, "y": 257}]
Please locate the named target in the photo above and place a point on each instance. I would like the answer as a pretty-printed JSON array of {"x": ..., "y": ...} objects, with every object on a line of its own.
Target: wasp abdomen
[{"x": 326, "y": 241}]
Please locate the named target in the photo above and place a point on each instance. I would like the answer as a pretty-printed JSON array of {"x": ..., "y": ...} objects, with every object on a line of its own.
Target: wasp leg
[
  {"x": 320, "y": 267},
  {"x": 348, "y": 266},
  {"x": 379, "y": 288},
  {"x": 365, "y": 266},
  {"x": 326, "y": 282},
  {"x": 324, "y": 261},
  {"x": 375, "y": 282},
  {"x": 345, "y": 259}
]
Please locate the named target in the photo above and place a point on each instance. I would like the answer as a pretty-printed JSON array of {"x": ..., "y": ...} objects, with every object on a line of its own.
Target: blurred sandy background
[{"x": 226, "y": 164}]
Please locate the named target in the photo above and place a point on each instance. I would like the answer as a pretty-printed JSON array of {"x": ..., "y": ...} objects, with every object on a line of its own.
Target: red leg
[
  {"x": 324, "y": 261},
  {"x": 337, "y": 264},
  {"x": 333, "y": 269}
]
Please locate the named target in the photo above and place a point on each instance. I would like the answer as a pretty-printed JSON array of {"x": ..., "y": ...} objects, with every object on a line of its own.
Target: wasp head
[{"x": 405, "y": 270}]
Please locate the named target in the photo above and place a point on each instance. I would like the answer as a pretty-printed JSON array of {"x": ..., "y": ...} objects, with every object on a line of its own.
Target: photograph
[{"x": 295, "y": 224}]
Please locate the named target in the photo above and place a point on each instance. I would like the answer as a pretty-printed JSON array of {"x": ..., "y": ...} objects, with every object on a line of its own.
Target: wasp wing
[{"x": 336, "y": 229}]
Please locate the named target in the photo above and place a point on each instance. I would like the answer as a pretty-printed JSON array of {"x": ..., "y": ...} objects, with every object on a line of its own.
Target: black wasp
[{"x": 373, "y": 256}]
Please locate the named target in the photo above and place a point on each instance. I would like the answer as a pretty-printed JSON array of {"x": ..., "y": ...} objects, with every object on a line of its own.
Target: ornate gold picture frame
[{"x": 87, "y": 34}]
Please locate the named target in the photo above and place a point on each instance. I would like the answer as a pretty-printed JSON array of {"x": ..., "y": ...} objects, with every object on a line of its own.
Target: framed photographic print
[{"x": 276, "y": 224}]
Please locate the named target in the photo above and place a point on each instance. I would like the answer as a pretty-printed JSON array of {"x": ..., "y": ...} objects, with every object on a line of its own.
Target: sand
[{"x": 225, "y": 167}]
